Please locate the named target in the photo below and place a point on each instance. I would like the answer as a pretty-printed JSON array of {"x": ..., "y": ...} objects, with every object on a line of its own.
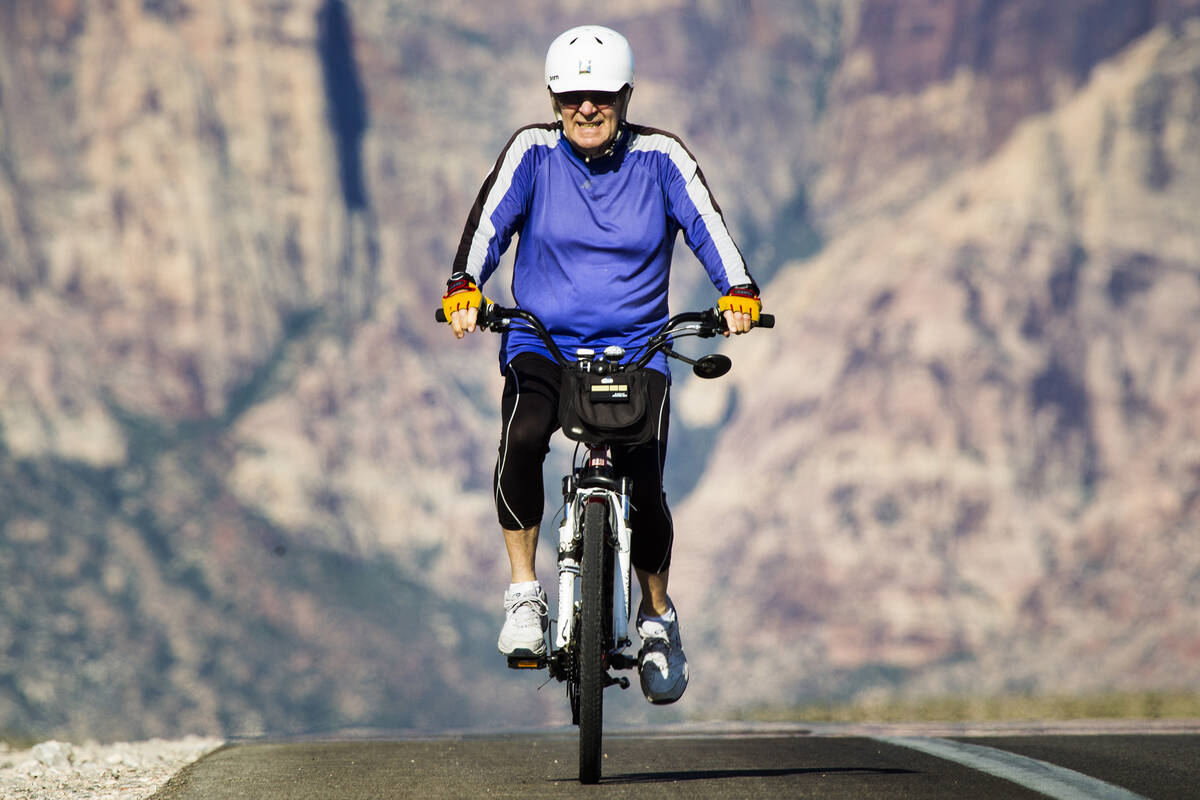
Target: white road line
[{"x": 1040, "y": 776}]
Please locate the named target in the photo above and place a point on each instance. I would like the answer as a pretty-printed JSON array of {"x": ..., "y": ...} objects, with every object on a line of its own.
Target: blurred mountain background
[{"x": 245, "y": 480}]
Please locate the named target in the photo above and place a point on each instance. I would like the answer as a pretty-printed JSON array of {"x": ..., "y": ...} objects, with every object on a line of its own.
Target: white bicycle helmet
[{"x": 589, "y": 57}]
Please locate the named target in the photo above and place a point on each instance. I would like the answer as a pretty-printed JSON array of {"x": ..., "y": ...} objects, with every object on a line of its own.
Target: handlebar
[
  {"x": 704, "y": 324},
  {"x": 764, "y": 320}
]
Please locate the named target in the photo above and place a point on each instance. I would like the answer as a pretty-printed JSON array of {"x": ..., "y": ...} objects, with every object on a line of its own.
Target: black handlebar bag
[{"x": 612, "y": 409}]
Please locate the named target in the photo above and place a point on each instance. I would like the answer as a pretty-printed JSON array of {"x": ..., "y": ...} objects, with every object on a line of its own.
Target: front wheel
[{"x": 593, "y": 635}]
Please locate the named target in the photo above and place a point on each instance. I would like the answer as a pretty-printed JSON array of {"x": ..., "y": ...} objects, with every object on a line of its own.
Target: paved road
[{"x": 698, "y": 765}]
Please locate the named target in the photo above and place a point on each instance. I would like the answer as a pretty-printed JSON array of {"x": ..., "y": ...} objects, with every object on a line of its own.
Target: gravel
[{"x": 124, "y": 771}]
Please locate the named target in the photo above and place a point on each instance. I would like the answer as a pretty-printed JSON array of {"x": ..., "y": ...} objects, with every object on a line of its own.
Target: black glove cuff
[{"x": 458, "y": 282}]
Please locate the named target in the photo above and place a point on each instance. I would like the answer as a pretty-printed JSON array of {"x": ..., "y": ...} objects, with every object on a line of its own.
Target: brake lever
[{"x": 712, "y": 325}]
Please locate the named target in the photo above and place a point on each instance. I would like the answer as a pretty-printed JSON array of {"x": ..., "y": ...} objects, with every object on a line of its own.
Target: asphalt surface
[{"x": 750, "y": 764}]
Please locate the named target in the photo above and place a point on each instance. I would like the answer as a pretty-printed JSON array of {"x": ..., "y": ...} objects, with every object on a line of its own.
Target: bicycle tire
[{"x": 593, "y": 637}]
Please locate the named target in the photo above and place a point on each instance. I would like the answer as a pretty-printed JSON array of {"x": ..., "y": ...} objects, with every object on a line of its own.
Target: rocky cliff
[
  {"x": 246, "y": 481},
  {"x": 981, "y": 473}
]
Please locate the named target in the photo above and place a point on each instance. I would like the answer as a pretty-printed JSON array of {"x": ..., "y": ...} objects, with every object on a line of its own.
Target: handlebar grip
[
  {"x": 766, "y": 321},
  {"x": 484, "y": 317}
]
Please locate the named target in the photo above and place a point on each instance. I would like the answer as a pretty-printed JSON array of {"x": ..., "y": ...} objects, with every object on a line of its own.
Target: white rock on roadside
[{"x": 56, "y": 770}]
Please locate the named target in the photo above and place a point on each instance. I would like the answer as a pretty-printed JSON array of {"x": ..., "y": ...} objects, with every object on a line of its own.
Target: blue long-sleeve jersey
[{"x": 596, "y": 236}]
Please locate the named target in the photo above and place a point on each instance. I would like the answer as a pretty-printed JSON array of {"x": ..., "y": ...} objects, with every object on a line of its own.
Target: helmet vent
[{"x": 573, "y": 41}]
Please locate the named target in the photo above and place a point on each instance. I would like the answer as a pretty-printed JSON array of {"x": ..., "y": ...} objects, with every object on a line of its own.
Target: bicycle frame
[{"x": 570, "y": 542}]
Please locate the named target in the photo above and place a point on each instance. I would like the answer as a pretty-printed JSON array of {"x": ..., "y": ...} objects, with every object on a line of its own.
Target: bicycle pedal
[
  {"x": 612, "y": 680},
  {"x": 622, "y": 661},
  {"x": 526, "y": 662}
]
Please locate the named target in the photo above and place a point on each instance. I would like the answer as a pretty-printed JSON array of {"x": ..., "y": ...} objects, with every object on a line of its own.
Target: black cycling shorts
[{"x": 529, "y": 417}]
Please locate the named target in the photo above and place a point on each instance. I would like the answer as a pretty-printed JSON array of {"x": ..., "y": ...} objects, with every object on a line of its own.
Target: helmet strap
[
  {"x": 616, "y": 140},
  {"x": 623, "y": 105}
]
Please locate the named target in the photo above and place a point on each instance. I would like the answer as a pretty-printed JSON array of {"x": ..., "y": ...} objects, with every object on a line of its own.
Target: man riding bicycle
[{"x": 596, "y": 203}]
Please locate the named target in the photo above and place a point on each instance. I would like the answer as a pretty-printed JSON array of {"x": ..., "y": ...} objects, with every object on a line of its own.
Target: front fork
[{"x": 570, "y": 545}]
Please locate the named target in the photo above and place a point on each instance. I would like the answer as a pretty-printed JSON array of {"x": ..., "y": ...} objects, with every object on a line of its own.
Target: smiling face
[{"x": 590, "y": 119}]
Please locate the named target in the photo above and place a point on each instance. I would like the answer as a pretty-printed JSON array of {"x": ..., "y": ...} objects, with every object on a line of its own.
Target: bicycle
[{"x": 598, "y": 410}]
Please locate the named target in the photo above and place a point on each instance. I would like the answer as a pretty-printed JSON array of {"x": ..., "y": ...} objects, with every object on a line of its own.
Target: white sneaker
[
  {"x": 525, "y": 623},
  {"x": 661, "y": 662}
]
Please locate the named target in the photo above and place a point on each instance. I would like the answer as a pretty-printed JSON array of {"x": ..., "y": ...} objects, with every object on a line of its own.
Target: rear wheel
[{"x": 595, "y": 629}]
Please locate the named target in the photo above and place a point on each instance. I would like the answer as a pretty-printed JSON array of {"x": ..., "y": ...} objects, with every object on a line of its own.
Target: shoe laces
[
  {"x": 526, "y": 608},
  {"x": 650, "y": 629}
]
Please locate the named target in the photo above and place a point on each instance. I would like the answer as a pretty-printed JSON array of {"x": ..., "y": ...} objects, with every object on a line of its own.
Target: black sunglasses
[{"x": 575, "y": 99}]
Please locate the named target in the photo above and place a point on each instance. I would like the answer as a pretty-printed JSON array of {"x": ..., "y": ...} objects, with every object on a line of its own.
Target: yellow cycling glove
[
  {"x": 461, "y": 292},
  {"x": 741, "y": 298}
]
